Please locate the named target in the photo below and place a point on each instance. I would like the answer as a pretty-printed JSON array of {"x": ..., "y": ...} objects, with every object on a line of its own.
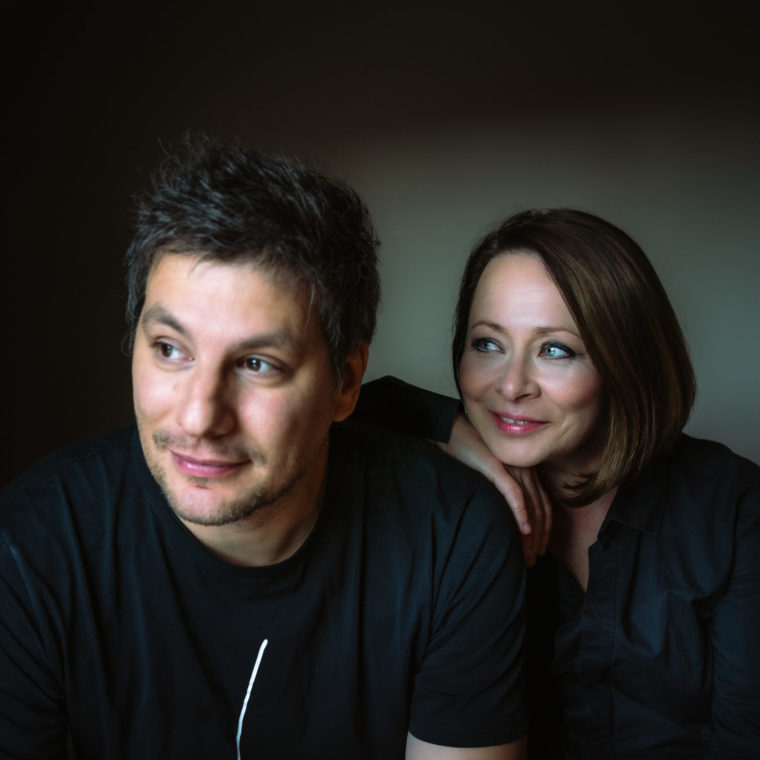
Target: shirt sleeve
[
  {"x": 32, "y": 713},
  {"x": 392, "y": 404},
  {"x": 469, "y": 691},
  {"x": 735, "y": 732}
]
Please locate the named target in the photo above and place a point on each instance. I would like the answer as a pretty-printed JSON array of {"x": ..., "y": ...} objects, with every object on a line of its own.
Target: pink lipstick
[{"x": 516, "y": 425}]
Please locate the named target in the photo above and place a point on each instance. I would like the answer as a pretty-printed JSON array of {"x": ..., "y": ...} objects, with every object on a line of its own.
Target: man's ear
[{"x": 351, "y": 382}]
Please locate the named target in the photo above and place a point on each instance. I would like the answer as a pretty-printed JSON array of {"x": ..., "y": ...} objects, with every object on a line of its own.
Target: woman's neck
[{"x": 574, "y": 529}]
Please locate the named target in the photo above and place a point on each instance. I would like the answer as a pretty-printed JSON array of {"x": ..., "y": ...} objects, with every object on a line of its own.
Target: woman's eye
[
  {"x": 485, "y": 345},
  {"x": 556, "y": 351}
]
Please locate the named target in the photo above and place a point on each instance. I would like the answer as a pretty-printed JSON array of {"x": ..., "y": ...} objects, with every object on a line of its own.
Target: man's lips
[
  {"x": 205, "y": 468},
  {"x": 517, "y": 424}
]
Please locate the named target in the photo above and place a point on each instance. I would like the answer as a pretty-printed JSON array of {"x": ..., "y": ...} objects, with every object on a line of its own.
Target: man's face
[{"x": 233, "y": 388}]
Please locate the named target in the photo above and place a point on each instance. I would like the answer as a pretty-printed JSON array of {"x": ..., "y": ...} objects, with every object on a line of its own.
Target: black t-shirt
[{"x": 401, "y": 612}]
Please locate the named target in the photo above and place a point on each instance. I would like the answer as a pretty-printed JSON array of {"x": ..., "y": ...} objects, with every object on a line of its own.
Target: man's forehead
[
  {"x": 188, "y": 288},
  {"x": 279, "y": 276}
]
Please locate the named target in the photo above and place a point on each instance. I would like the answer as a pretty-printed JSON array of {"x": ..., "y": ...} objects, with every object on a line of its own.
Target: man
[{"x": 239, "y": 577}]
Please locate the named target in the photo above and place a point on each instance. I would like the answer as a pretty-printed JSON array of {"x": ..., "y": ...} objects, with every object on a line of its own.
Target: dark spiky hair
[{"x": 232, "y": 204}]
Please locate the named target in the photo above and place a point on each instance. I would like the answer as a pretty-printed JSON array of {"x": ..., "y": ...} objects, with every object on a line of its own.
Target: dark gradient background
[{"x": 445, "y": 118}]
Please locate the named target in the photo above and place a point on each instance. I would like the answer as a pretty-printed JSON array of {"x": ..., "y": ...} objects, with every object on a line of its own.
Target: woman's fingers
[
  {"x": 519, "y": 486},
  {"x": 466, "y": 445}
]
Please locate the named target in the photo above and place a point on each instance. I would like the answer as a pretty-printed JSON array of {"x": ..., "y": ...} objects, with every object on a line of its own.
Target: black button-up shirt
[{"x": 661, "y": 655}]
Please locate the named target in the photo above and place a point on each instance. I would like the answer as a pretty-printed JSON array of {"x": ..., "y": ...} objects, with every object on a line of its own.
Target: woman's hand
[
  {"x": 520, "y": 486},
  {"x": 536, "y": 505}
]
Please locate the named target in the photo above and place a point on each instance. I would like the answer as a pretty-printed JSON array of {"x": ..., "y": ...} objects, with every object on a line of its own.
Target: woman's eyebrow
[{"x": 542, "y": 330}]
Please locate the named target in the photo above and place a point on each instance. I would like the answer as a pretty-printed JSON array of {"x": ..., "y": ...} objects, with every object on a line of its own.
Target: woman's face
[{"x": 528, "y": 384}]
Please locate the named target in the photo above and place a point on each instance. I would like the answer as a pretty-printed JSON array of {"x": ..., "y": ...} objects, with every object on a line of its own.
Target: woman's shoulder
[
  {"x": 705, "y": 460},
  {"x": 707, "y": 485}
]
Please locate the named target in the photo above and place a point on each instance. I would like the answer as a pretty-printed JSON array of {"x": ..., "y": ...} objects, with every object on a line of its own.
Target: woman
[{"x": 644, "y": 615}]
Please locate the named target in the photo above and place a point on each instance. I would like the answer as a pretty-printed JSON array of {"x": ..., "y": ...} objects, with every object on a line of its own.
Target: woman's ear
[{"x": 351, "y": 382}]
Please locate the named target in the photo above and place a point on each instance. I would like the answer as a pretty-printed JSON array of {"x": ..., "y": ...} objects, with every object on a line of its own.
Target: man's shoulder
[
  {"x": 374, "y": 446},
  {"x": 412, "y": 475},
  {"x": 89, "y": 460}
]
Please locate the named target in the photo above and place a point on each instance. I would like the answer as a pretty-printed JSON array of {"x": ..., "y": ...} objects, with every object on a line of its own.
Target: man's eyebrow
[
  {"x": 159, "y": 315},
  {"x": 283, "y": 339}
]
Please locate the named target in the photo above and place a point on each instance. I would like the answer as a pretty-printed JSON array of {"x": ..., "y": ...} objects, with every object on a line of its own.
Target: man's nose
[{"x": 205, "y": 407}]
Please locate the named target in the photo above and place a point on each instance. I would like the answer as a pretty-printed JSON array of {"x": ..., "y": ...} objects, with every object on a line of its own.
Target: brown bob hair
[{"x": 625, "y": 320}]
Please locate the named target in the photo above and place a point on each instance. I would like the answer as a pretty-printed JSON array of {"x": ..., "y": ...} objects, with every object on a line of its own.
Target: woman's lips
[
  {"x": 516, "y": 425},
  {"x": 204, "y": 468}
]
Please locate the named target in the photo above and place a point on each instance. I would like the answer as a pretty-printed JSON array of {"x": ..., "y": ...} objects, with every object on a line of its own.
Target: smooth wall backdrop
[
  {"x": 446, "y": 119},
  {"x": 688, "y": 194}
]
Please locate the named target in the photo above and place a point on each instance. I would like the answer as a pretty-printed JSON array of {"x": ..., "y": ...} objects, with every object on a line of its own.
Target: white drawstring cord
[{"x": 248, "y": 694}]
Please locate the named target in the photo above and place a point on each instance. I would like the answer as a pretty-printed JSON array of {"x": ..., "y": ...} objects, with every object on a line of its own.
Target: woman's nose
[{"x": 518, "y": 379}]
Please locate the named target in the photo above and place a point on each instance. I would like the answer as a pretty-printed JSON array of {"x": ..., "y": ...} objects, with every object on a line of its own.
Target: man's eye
[
  {"x": 256, "y": 364},
  {"x": 167, "y": 350}
]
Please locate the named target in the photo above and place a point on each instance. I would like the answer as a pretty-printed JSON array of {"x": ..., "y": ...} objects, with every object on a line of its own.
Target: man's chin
[
  {"x": 205, "y": 503},
  {"x": 212, "y": 512},
  {"x": 210, "y": 503}
]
